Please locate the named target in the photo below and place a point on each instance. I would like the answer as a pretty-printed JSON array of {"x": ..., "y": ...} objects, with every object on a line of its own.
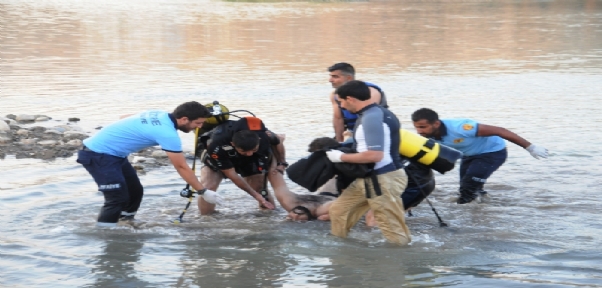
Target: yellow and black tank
[{"x": 438, "y": 157}]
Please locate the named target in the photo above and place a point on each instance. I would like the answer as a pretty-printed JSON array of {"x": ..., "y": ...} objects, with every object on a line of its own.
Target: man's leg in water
[
  {"x": 210, "y": 180},
  {"x": 475, "y": 170}
]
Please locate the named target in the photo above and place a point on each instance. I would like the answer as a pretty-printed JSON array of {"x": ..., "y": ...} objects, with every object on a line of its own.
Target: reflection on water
[{"x": 530, "y": 66}]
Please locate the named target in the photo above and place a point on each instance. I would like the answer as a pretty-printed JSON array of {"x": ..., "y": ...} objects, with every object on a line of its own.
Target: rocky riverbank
[{"x": 37, "y": 136}]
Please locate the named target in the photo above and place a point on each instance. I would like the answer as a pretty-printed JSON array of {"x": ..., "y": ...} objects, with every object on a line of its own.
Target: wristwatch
[
  {"x": 285, "y": 164},
  {"x": 201, "y": 192}
]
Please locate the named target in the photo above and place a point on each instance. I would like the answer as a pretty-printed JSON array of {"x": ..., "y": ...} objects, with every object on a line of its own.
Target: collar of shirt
[
  {"x": 366, "y": 108},
  {"x": 173, "y": 119},
  {"x": 442, "y": 131}
]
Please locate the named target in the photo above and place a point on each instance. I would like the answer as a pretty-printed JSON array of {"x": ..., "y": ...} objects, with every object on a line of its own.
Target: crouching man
[{"x": 243, "y": 151}]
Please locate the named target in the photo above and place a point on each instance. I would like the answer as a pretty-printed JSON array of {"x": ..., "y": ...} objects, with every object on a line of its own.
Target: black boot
[{"x": 468, "y": 191}]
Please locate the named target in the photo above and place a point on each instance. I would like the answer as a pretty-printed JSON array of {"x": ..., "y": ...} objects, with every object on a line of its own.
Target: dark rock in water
[
  {"x": 11, "y": 116},
  {"x": 98, "y": 128},
  {"x": 73, "y": 119},
  {"x": 37, "y": 129}
]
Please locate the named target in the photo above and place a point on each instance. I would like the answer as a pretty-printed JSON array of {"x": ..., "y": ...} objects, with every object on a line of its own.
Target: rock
[
  {"x": 159, "y": 154},
  {"x": 5, "y": 140},
  {"x": 23, "y": 132},
  {"x": 52, "y": 131},
  {"x": 37, "y": 129},
  {"x": 10, "y": 121},
  {"x": 74, "y": 142},
  {"x": 28, "y": 141},
  {"x": 11, "y": 116},
  {"x": 25, "y": 118},
  {"x": 75, "y": 135},
  {"x": 69, "y": 127},
  {"x": 4, "y": 126},
  {"x": 41, "y": 119},
  {"x": 48, "y": 142},
  {"x": 73, "y": 119}
]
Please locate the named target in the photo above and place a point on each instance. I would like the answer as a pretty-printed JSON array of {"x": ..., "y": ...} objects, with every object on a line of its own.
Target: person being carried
[
  {"x": 104, "y": 156},
  {"x": 344, "y": 120},
  {"x": 376, "y": 131},
  {"x": 242, "y": 151},
  {"x": 483, "y": 147}
]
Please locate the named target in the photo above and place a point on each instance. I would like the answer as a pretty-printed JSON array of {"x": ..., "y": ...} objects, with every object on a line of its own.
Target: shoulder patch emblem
[
  {"x": 459, "y": 140},
  {"x": 214, "y": 156},
  {"x": 467, "y": 127}
]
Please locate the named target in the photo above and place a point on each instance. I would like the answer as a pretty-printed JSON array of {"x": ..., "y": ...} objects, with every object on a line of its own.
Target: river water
[{"x": 533, "y": 67}]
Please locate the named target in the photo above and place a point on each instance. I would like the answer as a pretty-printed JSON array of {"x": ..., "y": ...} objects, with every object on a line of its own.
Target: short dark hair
[
  {"x": 346, "y": 68},
  {"x": 192, "y": 110},
  {"x": 245, "y": 140},
  {"x": 425, "y": 113},
  {"x": 354, "y": 88},
  {"x": 323, "y": 143}
]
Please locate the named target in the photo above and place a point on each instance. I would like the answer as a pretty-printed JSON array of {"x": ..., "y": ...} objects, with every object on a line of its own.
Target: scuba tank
[{"x": 436, "y": 156}]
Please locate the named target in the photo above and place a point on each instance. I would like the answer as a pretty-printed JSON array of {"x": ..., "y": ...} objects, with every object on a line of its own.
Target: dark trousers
[
  {"x": 412, "y": 196},
  {"x": 117, "y": 180},
  {"x": 474, "y": 170}
]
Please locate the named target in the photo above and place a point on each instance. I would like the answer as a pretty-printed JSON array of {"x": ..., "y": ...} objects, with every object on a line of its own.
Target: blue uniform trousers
[{"x": 117, "y": 180}]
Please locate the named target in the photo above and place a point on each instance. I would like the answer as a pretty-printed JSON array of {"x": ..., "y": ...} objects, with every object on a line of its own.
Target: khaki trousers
[{"x": 388, "y": 207}]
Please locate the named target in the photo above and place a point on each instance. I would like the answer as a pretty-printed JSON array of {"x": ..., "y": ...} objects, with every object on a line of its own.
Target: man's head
[
  {"x": 353, "y": 95},
  {"x": 340, "y": 74},
  {"x": 323, "y": 143},
  {"x": 245, "y": 142},
  {"x": 426, "y": 122},
  {"x": 190, "y": 115}
]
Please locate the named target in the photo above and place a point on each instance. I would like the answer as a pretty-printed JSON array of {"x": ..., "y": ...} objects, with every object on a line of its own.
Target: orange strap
[{"x": 254, "y": 123}]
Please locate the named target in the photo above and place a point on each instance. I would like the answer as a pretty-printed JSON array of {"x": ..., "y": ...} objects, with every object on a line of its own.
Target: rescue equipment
[{"x": 436, "y": 156}]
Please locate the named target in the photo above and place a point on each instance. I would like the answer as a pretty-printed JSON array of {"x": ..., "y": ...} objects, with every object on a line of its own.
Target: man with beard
[
  {"x": 343, "y": 120},
  {"x": 104, "y": 156}
]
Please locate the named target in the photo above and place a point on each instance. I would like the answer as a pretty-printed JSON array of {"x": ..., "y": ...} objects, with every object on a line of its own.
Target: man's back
[{"x": 148, "y": 128}]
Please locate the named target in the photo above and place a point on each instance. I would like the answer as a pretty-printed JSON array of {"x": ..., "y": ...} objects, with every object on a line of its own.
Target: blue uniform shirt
[
  {"x": 134, "y": 133},
  {"x": 461, "y": 134}
]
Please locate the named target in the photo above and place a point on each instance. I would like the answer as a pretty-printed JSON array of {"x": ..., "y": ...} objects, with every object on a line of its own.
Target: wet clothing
[
  {"x": 118, "y": 182},
  {"x": 421, "y": 183},
  {"x": 349, "y": 118},
  {"x": 388, "y": 209},
  {"x": 221, "y": 155},
  {"x": 474, "y": 171},
  {"x": 105, "y": 157},
  {"x": 482, "y": 155},
  {"x": 377, "y": 129}
]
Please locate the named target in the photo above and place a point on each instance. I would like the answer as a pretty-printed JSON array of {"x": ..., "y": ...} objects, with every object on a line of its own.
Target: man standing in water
[
  {"x": 104, "y": 156},
  {"x": 342, "y": 120},
  {"x": 376, "y": 131},
  {"x": 483, "y": 147},
  {"x": 242, "y": 151}
]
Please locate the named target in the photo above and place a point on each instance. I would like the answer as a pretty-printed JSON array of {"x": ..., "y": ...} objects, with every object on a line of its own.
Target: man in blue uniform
[
  {"x": 483, "y": 146},
  {"x": 104, "y": 156},
  {"x": 343, "y": 120},
  {"x": 376, "y": 131}
]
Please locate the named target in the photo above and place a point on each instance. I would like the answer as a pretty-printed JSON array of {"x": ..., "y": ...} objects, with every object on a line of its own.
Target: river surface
[{"x": 534, "y": 67}]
